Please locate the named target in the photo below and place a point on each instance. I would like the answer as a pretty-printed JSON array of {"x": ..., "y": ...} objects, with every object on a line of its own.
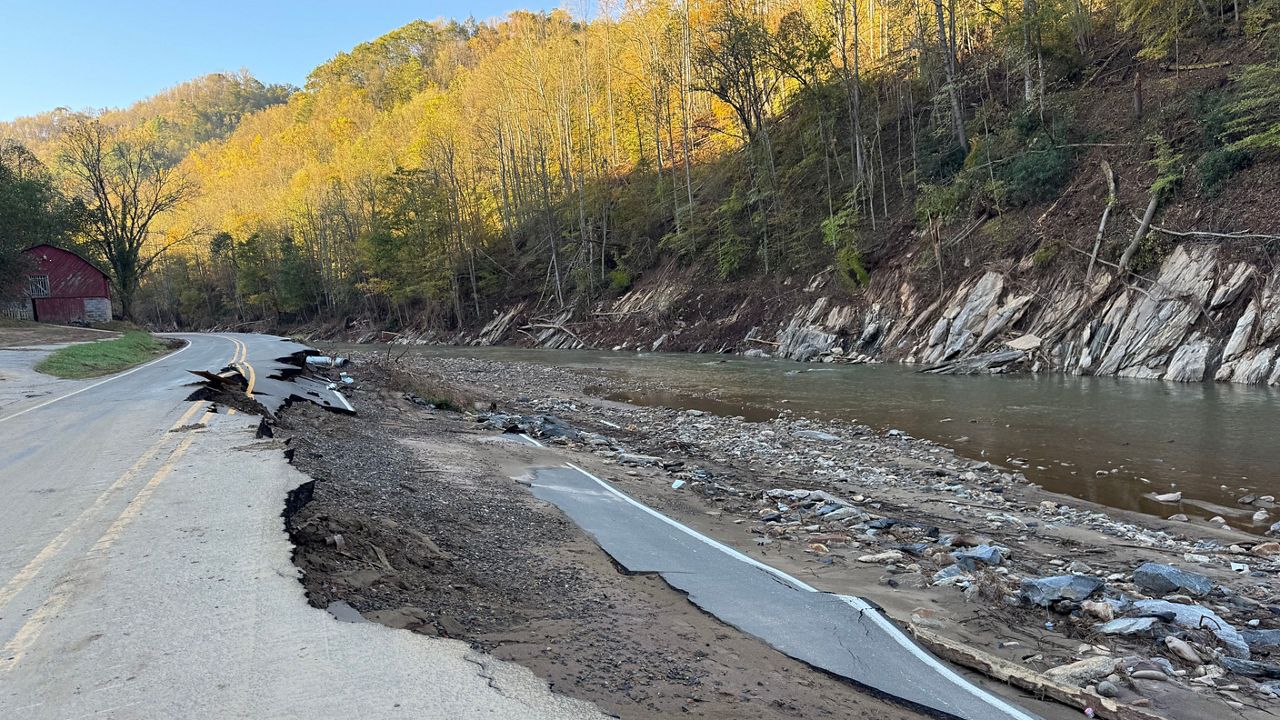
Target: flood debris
[
  {"x": 438, "y": 540},
  {"x": 890, "y": 514},
  {"x": 326, "y": 361},
  {"x": 276, "y": 383}
]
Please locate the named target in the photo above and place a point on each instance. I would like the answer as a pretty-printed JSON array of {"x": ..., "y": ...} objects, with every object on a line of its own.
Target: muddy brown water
[{"x": 1114, "y": 441}]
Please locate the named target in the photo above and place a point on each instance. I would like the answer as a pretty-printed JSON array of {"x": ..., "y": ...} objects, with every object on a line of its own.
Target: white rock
[
  {"x": 1182, "y": 650},
  {"x": 884, "y": 557}
]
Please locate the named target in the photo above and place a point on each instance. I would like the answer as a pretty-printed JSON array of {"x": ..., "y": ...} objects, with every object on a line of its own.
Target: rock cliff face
[{"x": 1200, "y": 316}]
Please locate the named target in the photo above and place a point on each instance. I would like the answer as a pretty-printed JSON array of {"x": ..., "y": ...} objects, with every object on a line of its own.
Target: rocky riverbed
[{"x": 1163, "y": 617}]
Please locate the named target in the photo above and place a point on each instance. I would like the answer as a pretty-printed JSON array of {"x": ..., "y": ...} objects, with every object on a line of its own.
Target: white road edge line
[
  {"x": 343, "y": 399},
  {"x": 97, "y": 384},
  {"x": 857, "y": 603}
]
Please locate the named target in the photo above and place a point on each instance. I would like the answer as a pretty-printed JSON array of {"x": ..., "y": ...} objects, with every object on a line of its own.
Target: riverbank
[
  {"x": 950, "y": 547},
  {"x": 414, "y": 521}
]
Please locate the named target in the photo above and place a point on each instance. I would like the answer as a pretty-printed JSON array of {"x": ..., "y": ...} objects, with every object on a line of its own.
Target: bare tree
[
  {"x": 125, "y": 186},
  {"x": 947, "y": 44}
]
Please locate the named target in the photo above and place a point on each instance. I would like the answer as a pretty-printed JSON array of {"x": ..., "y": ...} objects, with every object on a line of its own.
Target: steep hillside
[
  {"x": 179, "y": 119},
  {"x": 895, "y": 179}
]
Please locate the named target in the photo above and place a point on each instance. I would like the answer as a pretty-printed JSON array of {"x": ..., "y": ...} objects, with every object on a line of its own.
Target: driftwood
[
  {"x": 764, "y": 342},
  {"x": 1018, "y": 676},
  {"x": 553, "y": 326},
  {"x": 1102, "y": 225}
]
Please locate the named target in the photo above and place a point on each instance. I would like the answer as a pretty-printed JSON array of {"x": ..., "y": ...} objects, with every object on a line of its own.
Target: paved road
[
  {"x": 145, "y": 572},
  {"x": 844, "y": 635}
]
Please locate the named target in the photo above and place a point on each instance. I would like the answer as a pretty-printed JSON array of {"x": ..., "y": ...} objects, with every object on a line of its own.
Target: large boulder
[
  {"x": 1251, "y": 668},
  {"x": 1262, "y": 639},
  {"x": 1195, "y": 617},
  {"x": 1046, "y": 591},
  {"x": 1158, "y": 579}
]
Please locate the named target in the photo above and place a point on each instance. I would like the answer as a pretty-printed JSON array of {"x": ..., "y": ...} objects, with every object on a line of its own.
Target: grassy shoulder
[{"x": 103, "y": 357}]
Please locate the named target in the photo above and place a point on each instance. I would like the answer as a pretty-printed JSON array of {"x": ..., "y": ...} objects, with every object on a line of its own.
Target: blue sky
[{"x": 86, "y": 54}]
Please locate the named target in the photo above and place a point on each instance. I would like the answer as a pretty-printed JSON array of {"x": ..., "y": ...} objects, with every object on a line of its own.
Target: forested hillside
[{"x": 446, "y": 171}]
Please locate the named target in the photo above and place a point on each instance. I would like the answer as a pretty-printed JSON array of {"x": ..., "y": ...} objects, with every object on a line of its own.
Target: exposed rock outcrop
[{"x": 1198, "y": 316}]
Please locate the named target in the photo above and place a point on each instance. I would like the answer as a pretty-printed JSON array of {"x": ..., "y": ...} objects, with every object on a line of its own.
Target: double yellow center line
[
  {"x": 25, "y": 638},
  {"x": 241, "y": 360}
]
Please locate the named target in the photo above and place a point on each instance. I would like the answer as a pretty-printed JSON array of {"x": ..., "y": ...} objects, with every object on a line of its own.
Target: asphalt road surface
[
  {"x": 844, "y": 635},
  {"x": 145, "y": 571}
]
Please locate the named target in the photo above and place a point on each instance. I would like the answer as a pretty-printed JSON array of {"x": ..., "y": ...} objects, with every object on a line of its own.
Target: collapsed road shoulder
[{"x": 908, "y": 690}]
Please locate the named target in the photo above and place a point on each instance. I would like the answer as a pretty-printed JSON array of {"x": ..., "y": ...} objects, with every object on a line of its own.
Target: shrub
[
  {"x": 936, "y": 202},
  {"x": 939, "y": 158},
  {"x": 849, "y": 265},
  {"x": 620, "y": 279},
  {"x": 1169, "y": 167},
  {"x": 1045, "y": 255},
  {"x": 731, "y": 254},
  {"x": 1035, "y": 175},
  {"x": 1255, "y": 122},
  {"x": 1218, "y": 165}
]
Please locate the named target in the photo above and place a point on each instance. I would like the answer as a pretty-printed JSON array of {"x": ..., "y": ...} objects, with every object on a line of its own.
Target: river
[{"x": 1114, "y": 441}]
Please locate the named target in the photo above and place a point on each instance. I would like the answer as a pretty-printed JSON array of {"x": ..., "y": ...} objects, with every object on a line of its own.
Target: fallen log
[
  {"x": 554, "y": 326},
  {"x": 1170, "y": 67},
  {"x": 1020, "y": 677},
  {"x": 1102, "y": 225}
]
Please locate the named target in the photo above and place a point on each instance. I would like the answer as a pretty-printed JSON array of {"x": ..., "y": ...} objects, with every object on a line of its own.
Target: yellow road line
[
  {"x": 253, "y": 376},
  {"x": 37, "y": 564},
  {"x": 33, "y": 568},
  {"x": 241, "y": 359},
  {"x": 30, "y": 631}
]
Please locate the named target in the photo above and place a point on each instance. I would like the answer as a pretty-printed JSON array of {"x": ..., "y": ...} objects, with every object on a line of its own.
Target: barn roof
[{"x": 82, "y": 258}]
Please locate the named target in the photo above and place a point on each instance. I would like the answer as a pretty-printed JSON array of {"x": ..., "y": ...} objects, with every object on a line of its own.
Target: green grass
[{"x": 103, "y": 357}]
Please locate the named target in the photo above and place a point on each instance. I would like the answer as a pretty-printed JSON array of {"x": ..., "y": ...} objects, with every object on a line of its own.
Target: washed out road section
[
  {"x": 843, "y": 635},
  {"x": 147, "y": 573}
]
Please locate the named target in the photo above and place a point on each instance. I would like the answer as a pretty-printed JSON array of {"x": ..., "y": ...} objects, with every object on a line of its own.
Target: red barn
[{"x": 65, "y": 288}]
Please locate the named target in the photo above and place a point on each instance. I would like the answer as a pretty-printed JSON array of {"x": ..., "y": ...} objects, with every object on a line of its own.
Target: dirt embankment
[
  {"x": 21, "y": 334},
  {"x": 415, "y": 521}
]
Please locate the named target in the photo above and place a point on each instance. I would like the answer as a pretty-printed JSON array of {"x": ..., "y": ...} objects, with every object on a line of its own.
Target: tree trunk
[
  {"x": 949, "y": 64},
  {"x": 1102, "y": 225},
  {"x": 1143, "y": 229}
]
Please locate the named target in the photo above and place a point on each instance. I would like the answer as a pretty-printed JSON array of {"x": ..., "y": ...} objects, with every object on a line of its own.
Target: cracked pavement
[{"x": 147, "y": 573}]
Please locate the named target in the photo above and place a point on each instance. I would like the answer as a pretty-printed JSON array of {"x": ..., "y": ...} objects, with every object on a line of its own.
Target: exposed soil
[
  {"x": 436, "y": 537},
  {"x": 14, "y": 334}
]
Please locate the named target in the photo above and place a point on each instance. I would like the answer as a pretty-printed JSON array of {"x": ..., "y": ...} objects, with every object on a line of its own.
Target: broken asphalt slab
[
  {"x": 843, "y": 635},
  {"x": 269, "y": 375}
]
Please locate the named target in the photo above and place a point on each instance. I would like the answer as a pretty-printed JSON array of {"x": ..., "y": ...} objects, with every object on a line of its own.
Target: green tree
[{"x": 32, "y": 211}]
